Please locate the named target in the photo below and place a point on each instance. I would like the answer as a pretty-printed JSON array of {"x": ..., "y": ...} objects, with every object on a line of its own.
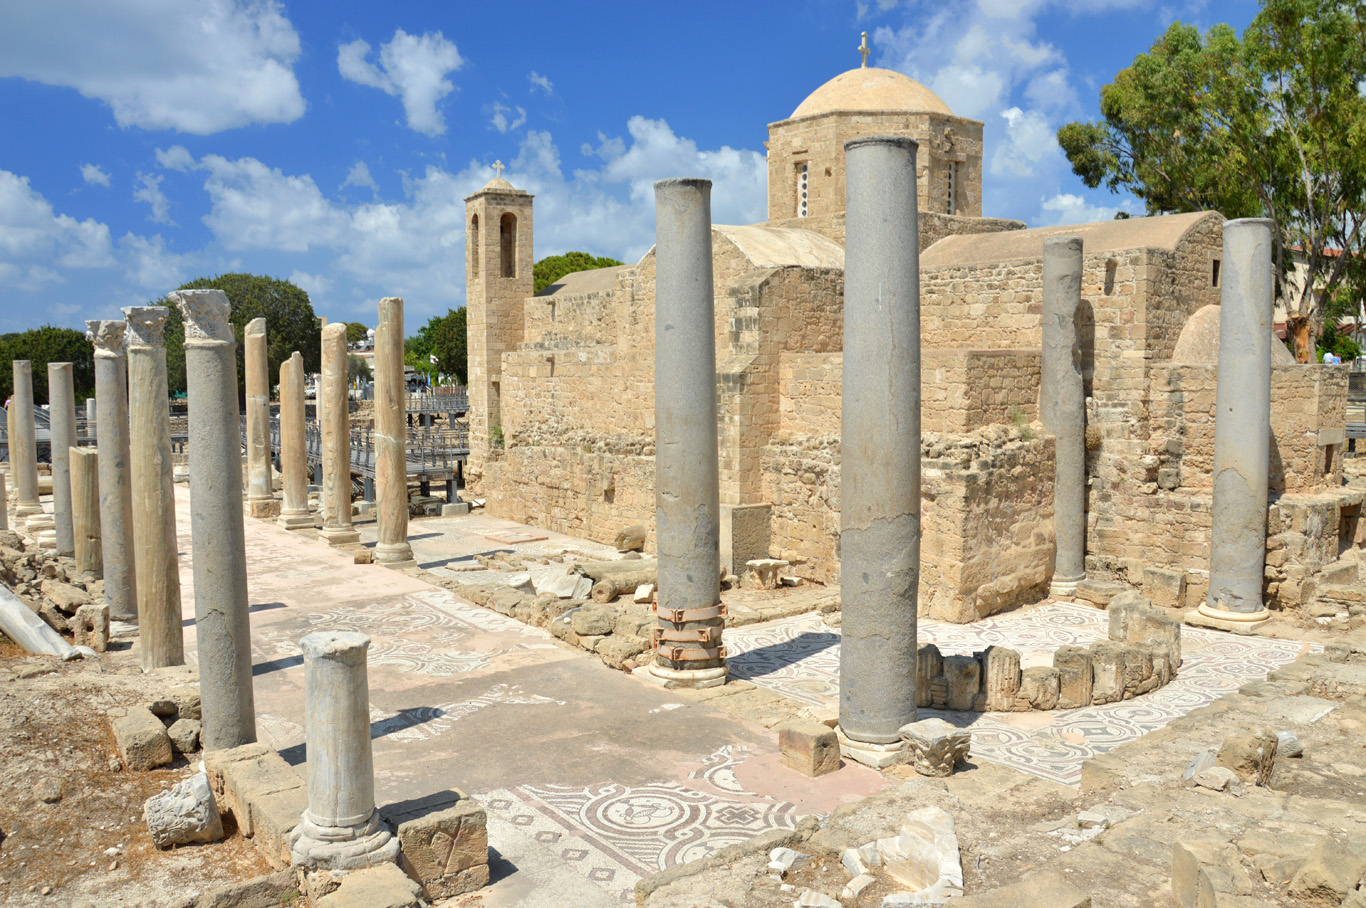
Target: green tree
[
  {"x": 445, "y": 337},
  {"x": 44, "y": 345},
  {"x": 290, "y": 324},
  {"x": 1272, "y": 124},
  {"x": 553, "y": 267},
  {"x": 357, "y": 368},
  {"x": 355, "y": 332}
]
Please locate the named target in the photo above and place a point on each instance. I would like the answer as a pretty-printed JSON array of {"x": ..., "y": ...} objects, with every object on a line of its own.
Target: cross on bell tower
[{"x": 864, "y": 50}]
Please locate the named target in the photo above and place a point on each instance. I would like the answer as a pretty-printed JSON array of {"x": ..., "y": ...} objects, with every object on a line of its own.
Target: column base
[
  {"x": 393, "y": 554},
  {"x": 27, "y": 510},
  {"x": 691, "y": 679},
  {"x": 295, "y": 520},
  {"x": 878, "y": 756},
  {"x": 342, "y": 847},
  {"x": 1223, "y": 620},
  {"x": 261, "y": 508},
  {"x": 1064, "y": 587},
  {"x": 339, "y": 535},
  {"x": 122, "y": 630}
]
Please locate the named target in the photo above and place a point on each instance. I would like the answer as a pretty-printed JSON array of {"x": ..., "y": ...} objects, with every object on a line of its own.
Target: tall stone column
[
  {"x": 335, "y": 419},
  {"x": 1062, "y": 408},
  {"x": 340, "y": 829},
  {"x": 85, "y": 512},
  {"x": 155, "y": 545},
  {"x": 116, "y": 489},
  {"x": 260, "y": 489},
  {"x": 391, "y": 436},
  {"x": 61, "y": 404},
  {"x": 688, "y": 650},
  {"x": 222, "y": 626},
  {"x": 294, "y": 515},
  {"x": 1242, "y": 429},
  {"x": 879, "y": 449},
  {"x": 23, "y": 445}
]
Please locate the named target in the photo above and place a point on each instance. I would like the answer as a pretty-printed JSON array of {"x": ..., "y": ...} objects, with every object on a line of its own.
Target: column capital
[
  {"x": 146, "y": 325},
  {"x": 107, "y": 335},
  {"x": 206, "y": 315}
]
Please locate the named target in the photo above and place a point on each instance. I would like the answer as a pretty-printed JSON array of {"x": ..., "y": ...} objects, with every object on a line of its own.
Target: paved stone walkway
[{"x": 591, "y": 779}]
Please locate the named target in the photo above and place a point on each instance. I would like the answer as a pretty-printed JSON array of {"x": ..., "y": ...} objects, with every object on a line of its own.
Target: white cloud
[
  {"x": 411, "y": 67},
  {"x": 1067, "y": 208},
  {"x": 94, "y": 174},
  {"x": 177, "y": 157},
  {"x": 539, "y": 81},
  {"x": 315, "y": 285},
  {"x": 149, "y": 191},
  {"x": 162, "y": 64},
  {"x": 359, "y": 175},
  {"x": 502, "y": 119},
  {"x": 1029, "y": 141},
  {"x": 149, "y": 266},
  {"x": 258, "y": 207},
  {"x": 37, "y": 245}
]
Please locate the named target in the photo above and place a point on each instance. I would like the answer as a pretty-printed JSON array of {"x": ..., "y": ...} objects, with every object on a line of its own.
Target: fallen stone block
[
  {"x": 186, "y": 699},
  {"x": 90, "y": 627},
  {"x": 962, "y": 675},
  {"x": 924, "y": 856},
  {"x": 447, "y": 852},
  {"x": 631, "y": 539},
  {"x": 644, "y": 593},
  {"x": 617, "y": 649},
  {"x": 1039, "y": 686},
  {"x": 1045, "y": 889},
  {"x": 935, "y": 746},
  {"x": 184, "y": 814},
  {"x": 1165, "y": 588},
  {"x": 184, "y": 735},
  {"x": 782, "y": 860},
  {"x": 809, "y": 747},
  {"x": 1251, "y": 753},
  {"x": 273, "y": 818},
  {"x": 64, "y": 596},
  {"x": 594, "y": 620},
  {"x": 1203, "y": 870},
  {"x": 1331, "y": 870},
  {"x": 810, "y": 898},
  {"x": 384, "y": 886},
  {"x": 140, "y": 737}
]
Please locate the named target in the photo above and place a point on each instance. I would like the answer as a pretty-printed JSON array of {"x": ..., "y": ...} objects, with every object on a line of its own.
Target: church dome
[
  {"x": 871, "y": 89},
  {"x": 498, "y": 183}
]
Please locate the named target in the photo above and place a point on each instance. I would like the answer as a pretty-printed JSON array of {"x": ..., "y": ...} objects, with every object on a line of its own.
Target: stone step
[
  {"x": 1340, "y": 572},
  {"x": 1351, "y": 593},
  {"x": 1100, "y": 592}
]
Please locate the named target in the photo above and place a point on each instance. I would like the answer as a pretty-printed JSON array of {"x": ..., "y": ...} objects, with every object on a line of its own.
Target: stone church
[{"x": 562, "y": 404}]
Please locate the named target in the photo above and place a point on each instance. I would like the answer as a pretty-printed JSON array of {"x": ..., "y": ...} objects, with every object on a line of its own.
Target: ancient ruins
[{"x": 879, "y": 554}]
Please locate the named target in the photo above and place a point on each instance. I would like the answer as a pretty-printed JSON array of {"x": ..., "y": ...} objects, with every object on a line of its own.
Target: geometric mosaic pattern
[
  {"x": 616, "y": 834},
  {"x": 799, "y": 658}
]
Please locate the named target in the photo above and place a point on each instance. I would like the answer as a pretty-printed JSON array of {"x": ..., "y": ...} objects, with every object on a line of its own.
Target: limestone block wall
[
  {"x": 818, "y": 141},
  {"x": 934, "y": 226}
]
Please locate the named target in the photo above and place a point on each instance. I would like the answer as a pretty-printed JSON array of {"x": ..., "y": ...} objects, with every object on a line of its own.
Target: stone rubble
[{"x": 186, "y": 813}]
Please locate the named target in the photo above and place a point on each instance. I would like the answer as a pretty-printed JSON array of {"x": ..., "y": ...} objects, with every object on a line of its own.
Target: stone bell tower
[{"x": 498, "y": 280}]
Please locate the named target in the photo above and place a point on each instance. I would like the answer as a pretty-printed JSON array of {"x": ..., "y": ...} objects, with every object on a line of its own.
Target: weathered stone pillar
[
  {"x": 1062, "y": 408},
  {"x": 260, "y": 490},
  {"x": 335, "y": 419},
  {"x": 61, "y": 405},
  {"x": 880, "y": 449},
  {"x": 90, "y": 418},
  {"x": 155, "y": 545},
  {"x": 4, "y": 499},
  {"x": 23, "y": 446},
  {"x": 688, "y": 651},
  {"x": 1242, "y": 428},
  {"x": 85, "y": 511},
  {"x": 294, "y": 514},
  {"x": 340, "y": 829},
  {"x": 116, "y": 490},
  {"x": 391, "y": 436},
  {"x": 222, "y": 627}
]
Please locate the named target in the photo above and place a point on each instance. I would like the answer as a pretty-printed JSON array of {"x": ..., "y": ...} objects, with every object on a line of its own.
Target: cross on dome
[
  {"x": 864, "y": 50},
  {"x": 498, "y": 168}
]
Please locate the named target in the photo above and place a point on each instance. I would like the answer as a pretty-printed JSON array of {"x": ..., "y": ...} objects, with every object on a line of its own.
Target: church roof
[
  {"x": 498, "y": 183},
  {"x": 1159, "y": 232},
  {"x": 869, "y": 89}
]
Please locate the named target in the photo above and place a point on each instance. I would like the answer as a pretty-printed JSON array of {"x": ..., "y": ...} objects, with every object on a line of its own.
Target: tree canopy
[
  {"x": 44, "y": 345},
  {"x": 355, "y": 332},
  {"x": 290, "y": 324},
  {"x": 444, "y": 336},
  {"x": 553, "y": 267},
  {"x": 1272, "y": 124}
]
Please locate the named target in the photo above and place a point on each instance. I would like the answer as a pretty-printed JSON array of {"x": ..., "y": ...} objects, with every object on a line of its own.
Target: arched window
[
  {"x": 474, "y": 245},
  {"x": 507, "y": 244}
]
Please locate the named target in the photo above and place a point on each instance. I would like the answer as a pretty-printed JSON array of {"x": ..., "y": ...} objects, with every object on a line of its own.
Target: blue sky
[{"x": 144, "y": 143}]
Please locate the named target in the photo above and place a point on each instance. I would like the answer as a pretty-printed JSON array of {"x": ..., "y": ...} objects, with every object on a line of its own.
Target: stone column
[
  {"x": 155, "y": 545},
  {"x": 879, "y": 449},
  {"x": 335, "y": 419},
  {"x": 116, "y": 490},
  {"x": 340, "y": 829},
  {"x": 294, "y": 515},
  {"x": 85, "y": 511},
  {"x": 688, "y": 651},
  {"x": 1062, "y": 408},
  {"x": 222, "y": 627},
  {"x": 61, "y": 405},
  {"x": 391, "y": 436},
  {"x": 1242, "y": 428},
  {"x": 90, "y": 418},
  {"x": 23, "y": 446},
  {"x": 260, "y": 491}
]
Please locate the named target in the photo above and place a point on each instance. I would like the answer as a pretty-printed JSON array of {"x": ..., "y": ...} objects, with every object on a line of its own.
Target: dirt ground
[{"x": 91, "y": 847}]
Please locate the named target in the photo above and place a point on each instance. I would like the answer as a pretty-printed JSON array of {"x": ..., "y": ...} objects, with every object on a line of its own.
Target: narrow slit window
[
  {"x": 474, "y": 245},
  {"x": 801, "y": 189},
  {"x": 1214, "y": 275},
  {"x": 951, "y": 188}
]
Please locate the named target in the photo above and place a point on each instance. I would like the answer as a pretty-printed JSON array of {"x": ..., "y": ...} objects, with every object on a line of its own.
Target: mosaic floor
[{"x": 799, "y": 658}]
